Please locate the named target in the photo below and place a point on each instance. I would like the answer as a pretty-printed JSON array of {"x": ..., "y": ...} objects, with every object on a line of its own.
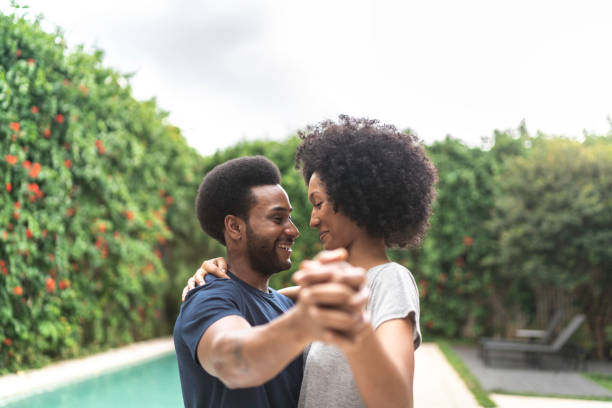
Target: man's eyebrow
[{"x": 281, "y": 209}]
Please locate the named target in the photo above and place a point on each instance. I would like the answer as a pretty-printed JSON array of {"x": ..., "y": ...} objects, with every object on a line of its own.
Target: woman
[{"x": 371, "y": 188}]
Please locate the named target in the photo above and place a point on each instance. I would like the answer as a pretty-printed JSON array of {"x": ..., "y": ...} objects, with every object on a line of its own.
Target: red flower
[
  {"x": 70, "y": 212},
  {"x": 64, "y": 284},
  {"x": 9, "y": 187},
  {"x": 44, "y": 233},
  {"x": 47, "y": 133},
  {"x": 59, "y": 118},
  {"x": 50, "y": 285},
  {"x": 26, "y": 164},
  {"x": 100, "y": 146},
  {"x": 158, "y": 253},
  {"x": 8, "y": 341},
  {"x": 16, "y": 215},
  {"x": 102, "y": 227},
  {"x": 129, "y": 215},
  {"x": 18, "y": 53},
  {"x": 14, "y": 126},
  {"x": 35, "y": 170},
  {"x": 29, "y": 233},
  {"x": 468, "y": 241},
  {"x": 169, "y": 200},
  {"x": 34, "y": 109},
  {"x": 51, "y": 257},
  {"x": 17, "y": 205},
  {"x": 68, "y": 164},
  {"x": 18, "y": 290},
  {"x": 30, "y": 61},
  {"x": 10, "y": 159}
]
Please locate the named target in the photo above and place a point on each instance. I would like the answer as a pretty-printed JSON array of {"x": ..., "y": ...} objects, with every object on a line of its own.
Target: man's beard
[{"x": 262, "y": 254}]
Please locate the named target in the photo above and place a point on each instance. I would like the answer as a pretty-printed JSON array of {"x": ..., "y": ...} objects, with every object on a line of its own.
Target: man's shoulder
[{"x": 214, "y": 289}]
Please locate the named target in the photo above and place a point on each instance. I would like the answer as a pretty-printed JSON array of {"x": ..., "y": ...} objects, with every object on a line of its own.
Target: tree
[{"x": 554, "y": 219}]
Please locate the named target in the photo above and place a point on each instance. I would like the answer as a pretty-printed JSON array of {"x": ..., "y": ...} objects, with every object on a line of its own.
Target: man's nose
[{"x": 292, "y": 230}]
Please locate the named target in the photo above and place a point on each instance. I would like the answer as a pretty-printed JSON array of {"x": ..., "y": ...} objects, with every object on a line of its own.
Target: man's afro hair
[
  {"x": 377, "y": 176},
  {"x": 226, "y": 190}
]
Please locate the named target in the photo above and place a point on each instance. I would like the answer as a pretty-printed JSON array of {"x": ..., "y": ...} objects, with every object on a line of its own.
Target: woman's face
[{"x": 335, "y": 229}]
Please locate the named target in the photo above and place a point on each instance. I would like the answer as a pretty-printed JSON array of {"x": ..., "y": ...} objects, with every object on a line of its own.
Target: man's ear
[{"x": 235, "y": 227}]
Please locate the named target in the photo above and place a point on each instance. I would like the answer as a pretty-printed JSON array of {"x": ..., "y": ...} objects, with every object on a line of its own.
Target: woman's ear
[{"x": 234, "y": 227}]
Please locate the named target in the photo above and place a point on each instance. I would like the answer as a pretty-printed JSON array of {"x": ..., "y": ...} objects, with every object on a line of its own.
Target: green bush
[{"x": 95, "y": 188}]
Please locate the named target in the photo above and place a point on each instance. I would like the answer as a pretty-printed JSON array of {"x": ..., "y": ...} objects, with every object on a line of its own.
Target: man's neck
[{"x": 241, "y": 267}]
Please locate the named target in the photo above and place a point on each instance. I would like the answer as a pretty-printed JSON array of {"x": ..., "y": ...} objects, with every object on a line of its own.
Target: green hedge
[{"x": 96, "y": 188}]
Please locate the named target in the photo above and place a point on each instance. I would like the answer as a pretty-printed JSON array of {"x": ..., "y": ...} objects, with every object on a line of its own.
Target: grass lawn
[
  {"x": 482, "y": 396},
  {"x": 601, "y": 379}
]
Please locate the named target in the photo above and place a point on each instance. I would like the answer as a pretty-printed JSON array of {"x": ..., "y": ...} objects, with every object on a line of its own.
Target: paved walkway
[
  {"x": 16, "y": 385},
  {"x": 514, "y": 401},
  {"x": 521, "y": 379},
  {"x": 436, "y": 384}
]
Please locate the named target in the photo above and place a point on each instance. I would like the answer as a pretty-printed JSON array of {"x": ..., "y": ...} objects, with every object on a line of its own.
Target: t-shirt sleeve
[
  {"x": 211, "y": 303},
  {"x": 394, "y": 295}
]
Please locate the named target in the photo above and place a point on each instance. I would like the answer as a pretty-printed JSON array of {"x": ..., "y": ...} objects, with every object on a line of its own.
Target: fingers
[
  {"x": 185, "y": 290},
  {"x": 199, "y": 277},
  {"x": 216, "y": 267},
  {"x": 313, "y": 272},
  {"x": 191, "y": 283},
  {"x": 333, "y": 319},
  {"x": 221, "y": 263},
  {"x": 349, "y": 339},
  {"x": 331, "y": 295},
  {"x": 334, "y": 255}
]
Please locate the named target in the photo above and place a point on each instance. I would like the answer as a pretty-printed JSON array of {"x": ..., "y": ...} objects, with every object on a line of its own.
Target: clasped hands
[{"x": 330, "y": 299}]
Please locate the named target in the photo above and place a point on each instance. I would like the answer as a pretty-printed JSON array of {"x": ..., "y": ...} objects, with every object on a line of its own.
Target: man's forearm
[{"x": 250, "y": 357}]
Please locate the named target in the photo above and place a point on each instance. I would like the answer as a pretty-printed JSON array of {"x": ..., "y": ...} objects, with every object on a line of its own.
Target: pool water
[{"x": 154, "y": 383}]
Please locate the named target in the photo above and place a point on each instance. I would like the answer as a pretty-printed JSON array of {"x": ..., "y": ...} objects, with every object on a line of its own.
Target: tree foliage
[{"x": 554, "y": 221}]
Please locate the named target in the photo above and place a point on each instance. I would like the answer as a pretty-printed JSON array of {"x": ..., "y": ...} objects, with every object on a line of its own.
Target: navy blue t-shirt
[{"x": 204, "y": 306}]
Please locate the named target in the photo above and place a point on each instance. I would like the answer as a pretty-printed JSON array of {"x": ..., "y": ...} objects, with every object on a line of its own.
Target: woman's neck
[{"x": 367, "y": 252}]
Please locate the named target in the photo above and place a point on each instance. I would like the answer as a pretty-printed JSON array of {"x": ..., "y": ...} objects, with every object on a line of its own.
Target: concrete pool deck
[{"x": 14, "y": 386}]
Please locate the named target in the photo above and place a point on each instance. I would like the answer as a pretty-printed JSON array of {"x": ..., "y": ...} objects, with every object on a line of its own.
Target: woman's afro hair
[
  {"x": 377, "y": 176},
  {"x": 226, "y": 190}
]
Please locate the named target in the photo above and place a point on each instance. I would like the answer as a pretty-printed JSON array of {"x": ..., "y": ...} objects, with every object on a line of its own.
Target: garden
[{"x": 98, "y": 233}]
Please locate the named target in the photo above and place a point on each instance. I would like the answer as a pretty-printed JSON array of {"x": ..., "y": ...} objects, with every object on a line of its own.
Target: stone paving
[
  {"x": 515, "y": 401},
  {"x": 570, "y": 383},
  {"x": 436, "y": 384}
]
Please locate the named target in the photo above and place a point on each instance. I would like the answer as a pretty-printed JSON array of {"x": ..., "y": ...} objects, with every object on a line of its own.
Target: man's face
[{"x": 270, "y": 232}]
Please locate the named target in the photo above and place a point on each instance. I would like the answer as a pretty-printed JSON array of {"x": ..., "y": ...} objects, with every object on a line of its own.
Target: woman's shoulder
[{"x": 390, "y": 271}]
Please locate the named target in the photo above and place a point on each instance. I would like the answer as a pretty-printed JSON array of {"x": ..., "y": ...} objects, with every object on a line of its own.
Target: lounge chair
[
  {"x": 533, "y": 352},
  {"x": 542, "y": 336}
]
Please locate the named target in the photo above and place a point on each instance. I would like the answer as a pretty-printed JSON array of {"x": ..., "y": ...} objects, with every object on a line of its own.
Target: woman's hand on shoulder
[{"x": 216, "y": 267}]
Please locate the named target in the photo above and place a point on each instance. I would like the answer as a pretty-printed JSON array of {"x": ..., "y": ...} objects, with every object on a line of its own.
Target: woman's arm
[
  {"x": 291, "y": 292},
  {"x": 383, "y": 364}
]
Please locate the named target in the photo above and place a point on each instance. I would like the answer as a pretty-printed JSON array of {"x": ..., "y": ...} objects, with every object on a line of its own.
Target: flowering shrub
[{"x": 90, "y": 186}]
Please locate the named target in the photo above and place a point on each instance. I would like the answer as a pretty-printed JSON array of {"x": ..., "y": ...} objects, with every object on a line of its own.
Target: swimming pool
[{"x": 154, "y": 383}]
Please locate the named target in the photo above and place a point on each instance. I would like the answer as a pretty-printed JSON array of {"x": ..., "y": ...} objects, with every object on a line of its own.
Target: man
[{"x": 238, "y": 342}]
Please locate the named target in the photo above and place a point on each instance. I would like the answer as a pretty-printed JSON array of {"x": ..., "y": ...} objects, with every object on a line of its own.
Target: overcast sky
[{"x": 229, "y": 70}]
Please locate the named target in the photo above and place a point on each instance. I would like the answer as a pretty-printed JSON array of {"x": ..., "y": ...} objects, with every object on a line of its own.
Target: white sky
[{"x": 229, "y": 70}]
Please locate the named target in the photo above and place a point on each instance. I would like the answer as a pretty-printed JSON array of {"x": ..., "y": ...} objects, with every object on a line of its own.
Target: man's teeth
[{"x": 285, "y": 247}]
